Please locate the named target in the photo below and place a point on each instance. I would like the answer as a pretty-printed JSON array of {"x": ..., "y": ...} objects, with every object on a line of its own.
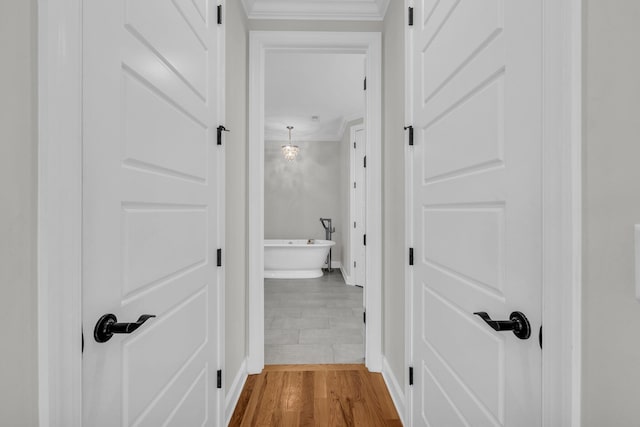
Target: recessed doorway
[{"x": 263, "y": 44}]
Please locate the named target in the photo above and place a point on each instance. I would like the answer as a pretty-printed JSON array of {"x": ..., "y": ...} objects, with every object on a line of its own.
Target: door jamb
[
  {"x": 562, "y": 213},
  {"x": 369, "y": 43},
  {"x": 59, "y": 220}
]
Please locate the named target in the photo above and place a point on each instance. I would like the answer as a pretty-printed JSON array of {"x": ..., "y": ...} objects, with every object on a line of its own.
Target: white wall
[
  {"x": 18, "y": 193},
  {"x": 394, "y": 251},
  {"x": 611, "y": 314},
  {"x": 235, "y": 256},
  {"x": 298, "y": 193}
]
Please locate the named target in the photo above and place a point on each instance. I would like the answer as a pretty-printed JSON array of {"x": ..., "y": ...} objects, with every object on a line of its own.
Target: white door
[
  {"x": 150, "y": 222},
  {"x": 359, "y": 209},
  {"x": 477, "y": 211}
]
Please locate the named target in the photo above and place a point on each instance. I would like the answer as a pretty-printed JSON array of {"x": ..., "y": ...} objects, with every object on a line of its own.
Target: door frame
[
  {"x": 353, "y": 208},
  {"x": 561, "y": 213},
  {"x": 369, "y": 43},
  {"x": 59, "y": 218}
]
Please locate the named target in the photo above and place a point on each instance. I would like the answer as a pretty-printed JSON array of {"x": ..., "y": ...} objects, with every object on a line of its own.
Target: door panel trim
[
  {"x": 562, "y": 212},
  {"x": 369, "y": 43}
]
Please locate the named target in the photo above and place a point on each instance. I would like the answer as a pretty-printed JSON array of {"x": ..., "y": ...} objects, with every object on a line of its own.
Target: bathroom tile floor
[{"x": 309, "y": 321}]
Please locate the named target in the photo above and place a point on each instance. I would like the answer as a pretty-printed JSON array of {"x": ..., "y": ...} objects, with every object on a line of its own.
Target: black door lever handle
[
  {"x": 518, "y": 323},
  {"x": 107, "y": 326}
]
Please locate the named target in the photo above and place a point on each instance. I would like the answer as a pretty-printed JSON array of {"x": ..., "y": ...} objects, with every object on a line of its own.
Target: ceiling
[
  {"x": 360, "y": 10},
  {"x": 299, "y": 86}
]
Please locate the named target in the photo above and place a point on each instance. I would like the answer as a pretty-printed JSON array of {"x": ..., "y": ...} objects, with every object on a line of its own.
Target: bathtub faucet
[{"x": 328, "y": 231}]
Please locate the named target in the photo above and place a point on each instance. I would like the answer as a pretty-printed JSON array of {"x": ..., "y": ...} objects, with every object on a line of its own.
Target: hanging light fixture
[{"x": 290, "y": 151}]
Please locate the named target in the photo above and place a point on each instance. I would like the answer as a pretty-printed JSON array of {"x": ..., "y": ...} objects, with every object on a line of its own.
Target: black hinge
[
  {"x": 365, "y": 161},
  {"x": 354, "y": 185},
  {"x": 411, "y": 16},
  {"x": 410, "y": 256},
  {"x": 354, "y": 145},
  {"x": 410, "y": 134},
  {"x": 354, "y": 224},
  {"x": 364, "y": 316},
  {"x": 221, "y": 129},
  {"x": 219, "y": 257},
  {"x": 219, "y": 384},
  {"x": 354, "y": 264},
  {"x": 364, "y": 239},
  {"x": 219, "y": 14},
  {"x": 410, "y": 375},
  {"x": 365, "y": 83}
]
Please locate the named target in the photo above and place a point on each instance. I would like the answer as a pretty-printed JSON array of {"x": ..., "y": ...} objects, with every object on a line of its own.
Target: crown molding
[{"x": 343, "y": 10}]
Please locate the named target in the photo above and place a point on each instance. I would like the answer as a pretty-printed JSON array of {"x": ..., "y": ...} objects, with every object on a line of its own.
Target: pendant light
[{"x": 289, "y": 151}]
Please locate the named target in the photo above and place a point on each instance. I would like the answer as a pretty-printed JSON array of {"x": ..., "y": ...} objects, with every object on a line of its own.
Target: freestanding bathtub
[{"x": 295, "y": 259}]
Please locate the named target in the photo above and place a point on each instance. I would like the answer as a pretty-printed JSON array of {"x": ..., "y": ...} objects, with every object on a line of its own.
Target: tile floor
[{"x": 313, "y": 321}]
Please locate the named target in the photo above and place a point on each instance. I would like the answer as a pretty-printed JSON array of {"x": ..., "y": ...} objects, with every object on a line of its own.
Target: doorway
[{"x": 369, "y": 45}]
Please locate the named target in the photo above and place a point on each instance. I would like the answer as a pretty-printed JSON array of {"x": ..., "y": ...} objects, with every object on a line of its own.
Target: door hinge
[
  {"x": 365, "y": 161},
  {"x": 354, "y": 185},
  {"x": 219, "y": 379},
  {"x": 221, "y": 129},
  {"x": 364, "y": 316},
  {"x": 410, "y": 134},
  {"x": 354, "y": 264},
  {"x": 410, "y": 375},
  {"x": 364, "y": 239},
  {"x": 410, "y": 256},
  {"x": 219, "y": 14},
  {"x": 365, "y": 83},
  {"x": 354, "y": 145},
  {"x": 411, "y": 17},
  {"x": 219, "y": 257}
]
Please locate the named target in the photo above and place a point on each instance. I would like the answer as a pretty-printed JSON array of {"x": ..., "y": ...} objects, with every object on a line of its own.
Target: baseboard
[
  {"x": 234, "y": 391},
  {"x": 334, "y": 264},
  {"x": 397, "y": 394},
  {"x": 345, "y": 276}
]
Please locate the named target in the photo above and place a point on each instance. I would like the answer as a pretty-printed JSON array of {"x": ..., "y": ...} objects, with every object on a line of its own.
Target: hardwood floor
[{"x": 315, "y": 395}]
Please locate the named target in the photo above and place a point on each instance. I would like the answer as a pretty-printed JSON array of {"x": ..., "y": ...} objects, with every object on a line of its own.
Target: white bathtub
[{"x": 295, "y": 259}]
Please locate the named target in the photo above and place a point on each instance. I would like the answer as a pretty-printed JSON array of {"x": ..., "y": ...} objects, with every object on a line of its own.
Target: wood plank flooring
[{"x": 315, "y": 395}]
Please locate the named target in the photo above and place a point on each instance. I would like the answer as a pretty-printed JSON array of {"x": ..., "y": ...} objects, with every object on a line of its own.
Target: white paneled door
[
  {"x": 477, "y": 211},
  {"x": 360, "y": 208},
  {"x": 151, "y": 203}
]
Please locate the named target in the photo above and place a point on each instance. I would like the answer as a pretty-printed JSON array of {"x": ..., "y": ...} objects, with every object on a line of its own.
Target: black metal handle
[
  {"x": 107, "y": 326},
  {"x": 518, "y": 323}
]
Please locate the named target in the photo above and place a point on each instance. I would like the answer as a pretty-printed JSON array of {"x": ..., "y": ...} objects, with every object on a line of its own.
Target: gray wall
[
  {"x": 298, "y": 193},
  {"x": 394, "y": 251},
  {"x": 236, "y": 189},
  {"x": 611, "y": 183},
  {"x": 18, "y": 198}
]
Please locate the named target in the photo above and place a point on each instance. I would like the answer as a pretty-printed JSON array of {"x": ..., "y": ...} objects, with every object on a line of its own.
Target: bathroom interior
[{"x": 314, "y": 109}]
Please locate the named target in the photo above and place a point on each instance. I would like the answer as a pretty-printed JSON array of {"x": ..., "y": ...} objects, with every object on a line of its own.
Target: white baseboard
[
  {"x": 334, "y": 264},
  {"x": 234, "y": 391},
  {"x": 397, "y": 394},
  {"x": 345, "y": 276}
]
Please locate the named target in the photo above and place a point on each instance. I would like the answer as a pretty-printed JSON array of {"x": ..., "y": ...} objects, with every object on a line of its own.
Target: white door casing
[
  {"x": 151, "y": 211},
  {"x": 477, "y": 101},
  {"x": 358, "y": 208},
  {"x": 368, "y": 43}
]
